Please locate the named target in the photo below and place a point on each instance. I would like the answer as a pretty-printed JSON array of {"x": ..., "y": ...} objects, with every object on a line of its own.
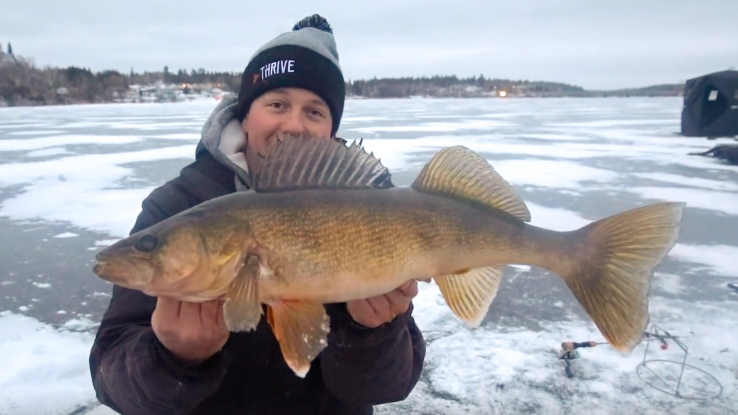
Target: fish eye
[{"x": 146, "y": 243}]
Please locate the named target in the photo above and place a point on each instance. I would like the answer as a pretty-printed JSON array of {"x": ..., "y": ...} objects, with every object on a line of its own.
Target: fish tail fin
[{"x": 613, "y": 281}]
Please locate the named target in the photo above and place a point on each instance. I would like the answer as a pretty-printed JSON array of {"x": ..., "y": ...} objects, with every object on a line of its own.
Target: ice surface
[
  {"x": 502, "y": 370},
  {"x": 44, "y": 370},
  {"x": 549, "y": 173},
  {"x": 53, "y": 151},
  {"x": 726, "y": 203},
  {"x": 61, "y": 140},
  {"x": 179, "y": 136},
  {"x": 579, "y": 148},
  {"x": 42, "y": 285},
  {"x": 66, "y": 235},
  {"x": 691, "y": 181},
  {"x": 669, "y": 283},
  {"x": 556, "y": 219},
  {"x": 36, "y": 132},
  {"x": 82, "y": 189},
  {"x": 721, "y": 260},
  {"x": 436, "y": 126}
]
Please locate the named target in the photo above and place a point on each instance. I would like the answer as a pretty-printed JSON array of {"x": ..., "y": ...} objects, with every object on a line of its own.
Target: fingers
[
  {"x": 409, "y": 288},
  {"x": 362, "y": 312},
  {"x": 189, "y": 313},
  {"x": 167, "y": 309},
  {"x": 382, "y": 308},
  {"x": 219, "y": 319},
  {"x": 399, "y": 302},
  {"x": 209, "y": 313}
]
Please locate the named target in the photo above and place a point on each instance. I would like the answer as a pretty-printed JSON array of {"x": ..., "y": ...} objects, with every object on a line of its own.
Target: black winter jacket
[{"x": 133, "y": 373}]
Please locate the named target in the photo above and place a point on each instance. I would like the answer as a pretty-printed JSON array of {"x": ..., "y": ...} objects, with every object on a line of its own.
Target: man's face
[{"x": 284, "y": 111}]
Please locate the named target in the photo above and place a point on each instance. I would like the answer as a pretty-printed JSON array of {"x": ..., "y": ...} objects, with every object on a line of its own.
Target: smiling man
[{"x": 161, "y": 356}]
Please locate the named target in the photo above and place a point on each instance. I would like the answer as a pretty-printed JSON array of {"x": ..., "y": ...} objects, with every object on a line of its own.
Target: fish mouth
[
  {"x": 103, "y": 270},
  {"x": 107, "y": 271},
  {"x": 126, "y": 272}
]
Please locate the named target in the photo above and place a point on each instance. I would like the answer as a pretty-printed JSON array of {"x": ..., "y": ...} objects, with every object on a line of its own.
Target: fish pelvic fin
[
  {"x": 301, "y": 162},
  {"x": 459, "y": 173},
  {"x": 301, "y": 328},
  {"x": 242, "y": 309},
  {"x": 469, "y": 293},
  {"x": 613, "y": 282}
]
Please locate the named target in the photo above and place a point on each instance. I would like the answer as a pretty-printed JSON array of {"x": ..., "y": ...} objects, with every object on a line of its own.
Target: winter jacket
[{"x": 133, "y": 373}]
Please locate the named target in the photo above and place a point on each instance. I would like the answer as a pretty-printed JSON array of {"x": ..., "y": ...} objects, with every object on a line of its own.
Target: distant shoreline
[
  {"x": 22, "y": 84},
  {"x": 352, "y": 97}
]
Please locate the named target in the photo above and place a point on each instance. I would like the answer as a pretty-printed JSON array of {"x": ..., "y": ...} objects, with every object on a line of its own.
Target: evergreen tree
[{"x": 10, "y": 49}]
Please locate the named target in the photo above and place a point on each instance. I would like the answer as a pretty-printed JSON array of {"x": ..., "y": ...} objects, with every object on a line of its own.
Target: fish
[{"x": 323, "y": 223}]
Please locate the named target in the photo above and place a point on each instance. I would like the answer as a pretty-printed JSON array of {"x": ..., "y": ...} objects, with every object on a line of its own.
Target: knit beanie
[{"x": 304, "y": 58}]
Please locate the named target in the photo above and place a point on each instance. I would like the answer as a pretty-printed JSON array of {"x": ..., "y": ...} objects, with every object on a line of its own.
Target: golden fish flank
[{"x": 325, "y": 224}]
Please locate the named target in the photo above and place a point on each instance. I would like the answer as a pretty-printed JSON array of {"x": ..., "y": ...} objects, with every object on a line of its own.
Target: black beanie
[{"x": 304, "y": 58}]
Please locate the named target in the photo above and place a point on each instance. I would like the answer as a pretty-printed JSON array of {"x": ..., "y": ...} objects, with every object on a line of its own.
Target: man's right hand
[{"x": 191, "y": 331}]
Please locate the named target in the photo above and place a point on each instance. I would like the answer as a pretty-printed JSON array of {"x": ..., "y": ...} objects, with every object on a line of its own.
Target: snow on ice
[{"x": 580, "y": 149}]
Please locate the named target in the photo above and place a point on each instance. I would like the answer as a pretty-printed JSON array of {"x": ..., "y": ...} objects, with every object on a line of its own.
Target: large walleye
[{"x": 325, "y": 224}]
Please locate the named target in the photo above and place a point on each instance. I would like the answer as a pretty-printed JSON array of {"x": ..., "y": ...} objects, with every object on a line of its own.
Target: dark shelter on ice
[{"x": 711, "y": 105}]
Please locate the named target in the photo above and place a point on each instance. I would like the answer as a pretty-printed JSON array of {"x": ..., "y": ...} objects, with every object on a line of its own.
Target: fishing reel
[{"x": 569, "y": 352}]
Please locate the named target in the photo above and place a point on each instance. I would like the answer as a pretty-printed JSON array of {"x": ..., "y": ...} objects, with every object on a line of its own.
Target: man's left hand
[{"x": 375, "y": 311}]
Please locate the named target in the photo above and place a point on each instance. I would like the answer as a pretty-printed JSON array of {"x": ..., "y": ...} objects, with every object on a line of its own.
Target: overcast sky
[{"x": 596, "y": 44}]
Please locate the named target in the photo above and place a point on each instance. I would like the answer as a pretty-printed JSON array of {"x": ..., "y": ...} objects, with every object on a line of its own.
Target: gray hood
[{"x": 223, "y": 138}]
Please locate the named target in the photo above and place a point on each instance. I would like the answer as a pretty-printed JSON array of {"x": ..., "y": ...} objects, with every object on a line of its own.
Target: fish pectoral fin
[
  {"x": 301, "y": 328},
  {"x": 470, "y": 292},
  {"x": 242, "y": 310}
]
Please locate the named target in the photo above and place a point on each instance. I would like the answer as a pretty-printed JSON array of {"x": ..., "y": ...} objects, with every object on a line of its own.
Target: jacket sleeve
[
  {"x": 132, "y": 372},
  {"x": 364, "y": 366}
]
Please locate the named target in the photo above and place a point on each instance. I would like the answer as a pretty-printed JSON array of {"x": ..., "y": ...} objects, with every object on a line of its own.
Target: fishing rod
[
  {"x": 569, "y": 350},
  {"x": 648, "y": 371},
  {"x": 569, "y": 345}
]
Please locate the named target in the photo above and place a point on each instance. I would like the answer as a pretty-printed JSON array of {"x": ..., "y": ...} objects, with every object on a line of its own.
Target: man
[{"x": 161, "y": 356}]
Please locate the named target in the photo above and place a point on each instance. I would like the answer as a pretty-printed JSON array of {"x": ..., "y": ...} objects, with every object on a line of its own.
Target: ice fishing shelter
[{"x": 711, "y": 105}]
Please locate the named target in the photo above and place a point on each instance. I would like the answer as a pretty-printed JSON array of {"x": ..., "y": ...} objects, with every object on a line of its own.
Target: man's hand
[
  {"x": 375, "y": 311},
  {"x": 191, "y": 331}
]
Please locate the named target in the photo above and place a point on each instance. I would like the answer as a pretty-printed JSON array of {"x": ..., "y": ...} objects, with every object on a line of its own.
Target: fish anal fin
[
  {"x": 469, "y": 294},
  {"x": 459, "y": 173},
  {"x": 242, "y": 309},
  {"x": 304, "y": 162},
  {"x": 301, "y": 328}
]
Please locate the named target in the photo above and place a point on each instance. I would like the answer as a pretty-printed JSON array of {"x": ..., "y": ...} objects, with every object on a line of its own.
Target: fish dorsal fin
[
  {"x": 459, "y": 173},
  {"x": 302, "y": 162}
]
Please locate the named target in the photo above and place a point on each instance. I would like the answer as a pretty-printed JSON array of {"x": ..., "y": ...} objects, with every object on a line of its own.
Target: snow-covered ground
[{"x": 72, "y": 180}]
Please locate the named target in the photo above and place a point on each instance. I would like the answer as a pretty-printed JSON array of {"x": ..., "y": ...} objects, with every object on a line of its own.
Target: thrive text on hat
[{"x": 304, "y": 58}]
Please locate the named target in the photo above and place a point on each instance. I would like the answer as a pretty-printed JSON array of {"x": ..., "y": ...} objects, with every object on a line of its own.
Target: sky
[{"x": 590, "y": 43}]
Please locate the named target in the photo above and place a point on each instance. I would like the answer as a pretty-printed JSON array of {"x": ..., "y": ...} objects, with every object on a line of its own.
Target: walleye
[{"x": 325, "y": 224}]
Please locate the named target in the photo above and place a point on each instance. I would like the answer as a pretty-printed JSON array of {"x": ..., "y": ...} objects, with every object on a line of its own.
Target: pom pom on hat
[{"x": 315, "y": 21}]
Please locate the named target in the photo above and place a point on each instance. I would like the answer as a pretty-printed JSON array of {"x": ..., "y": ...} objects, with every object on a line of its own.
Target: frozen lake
[{"x": 72, "y": 180}]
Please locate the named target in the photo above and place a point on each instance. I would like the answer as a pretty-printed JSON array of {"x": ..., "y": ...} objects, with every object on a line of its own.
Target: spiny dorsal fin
[
  {"x": 460, "y": 173},
  {"x": 302, "y": 162}
]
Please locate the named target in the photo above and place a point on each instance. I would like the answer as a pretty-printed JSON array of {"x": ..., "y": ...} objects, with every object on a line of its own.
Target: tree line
[{"x": 22, "y": 83}]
